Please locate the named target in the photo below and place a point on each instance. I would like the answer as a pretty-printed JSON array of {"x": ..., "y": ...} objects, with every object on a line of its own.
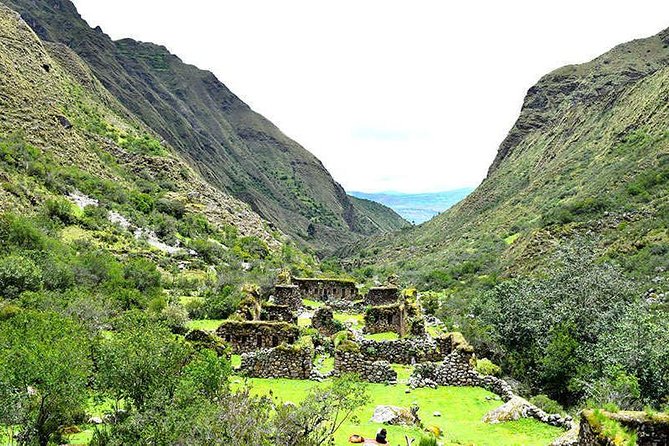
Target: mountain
[
  {"x": 232, "y": 147},
  {"x": 417, "y": 208},
  {"x": 588, "y": 158}
]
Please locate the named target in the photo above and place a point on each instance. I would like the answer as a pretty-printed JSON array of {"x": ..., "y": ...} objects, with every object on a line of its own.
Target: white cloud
[{"x": 403, "y": 95}]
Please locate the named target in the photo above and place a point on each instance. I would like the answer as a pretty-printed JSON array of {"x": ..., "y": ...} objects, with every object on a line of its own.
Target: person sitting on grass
[{"x": 381, "y": 436}]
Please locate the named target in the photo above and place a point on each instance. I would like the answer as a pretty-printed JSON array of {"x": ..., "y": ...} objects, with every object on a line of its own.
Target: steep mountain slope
[
  {"x": 588, "y": 157},
  {"x": 234, "y": 148},
  {"x": 62, "y": 133}
]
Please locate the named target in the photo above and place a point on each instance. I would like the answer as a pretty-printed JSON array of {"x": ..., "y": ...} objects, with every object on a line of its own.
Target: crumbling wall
[
  {"x": 407, "y": 350},
  {"x": 247, "y": 336},
  {"x": 323, "y": 320},
  {"x": 386, "y": 318},
  {"x": 288, "y": 295},
  {"x": 280, "y": 313},
  {"x": 292, "y": 362},
  {"x": 327, "y": 290},
  {"x": 351, "y": 361},
  {"x": 651, "y": 429},
  {"x": 382, "y": 296}
]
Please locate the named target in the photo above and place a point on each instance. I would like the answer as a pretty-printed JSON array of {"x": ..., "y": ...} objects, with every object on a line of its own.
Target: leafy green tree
[
  {"x": 142, "y": 274},
  {"x": 44, "y": 369},
  {"x": 321, "y": 415},
  {"x": 142, "y": 358}
]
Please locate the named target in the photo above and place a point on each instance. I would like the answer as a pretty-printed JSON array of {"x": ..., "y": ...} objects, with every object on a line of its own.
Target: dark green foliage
[
  {"x": 60, "y": 210},
  {"x": 171, "y": 207},
  {"x": 220, "y": 304},
  {"x": 546, "y": 404},
  {"x": 142, "y": 275},
  {"x": 18, "y": 274},
  {"x": 142, "y": 359},
  {"x": 44, "y": 370},
  {"x": 251, "y": 248}
]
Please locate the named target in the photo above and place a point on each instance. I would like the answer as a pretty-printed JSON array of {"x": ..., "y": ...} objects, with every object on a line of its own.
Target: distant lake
[{"x": 417, "y": 208}]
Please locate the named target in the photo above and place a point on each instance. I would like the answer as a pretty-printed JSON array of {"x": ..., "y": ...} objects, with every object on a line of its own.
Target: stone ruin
[
  {"x": 327, "y": 290},
  {"x": 408, "y": 350},
  {"x": 323, "y": 320},
  {"x": 288, "y": 295},
  {"x": 280, "y": 313},
  {"x": 248, "y": 336},
  {"x": 651, "y": 429},
  {"x": 348, "y": 359},
  {"x": 284, "y": 361},
  {"x": 379, "y": 296}
]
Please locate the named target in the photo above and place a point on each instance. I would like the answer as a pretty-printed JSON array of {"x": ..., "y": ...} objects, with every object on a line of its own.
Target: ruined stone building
[
  {"x": 327, "y": 289},
  {"x": 248, "y": 336},
  {"x": 382, "y": 296}
]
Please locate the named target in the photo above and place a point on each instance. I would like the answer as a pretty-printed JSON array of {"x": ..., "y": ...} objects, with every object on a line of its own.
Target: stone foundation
[
  {"x": 279, "y": 362},
  {"x": 370, "y": 371},
  {"x": 407, "y": 350},
  {"x": 247, "y": 336}
]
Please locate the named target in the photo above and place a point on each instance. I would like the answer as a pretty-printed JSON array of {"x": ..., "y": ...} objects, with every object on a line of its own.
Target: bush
[
  {"x": 486, "y": 367},
  {"x": 222, "y": 303},
  {"x": 19, "y": 232},
  {"x": 142, "y": 274},
  {"x": 171, "y": 207},
  {"x": 18, "y": 274},
  {"x": 546, "y": 404},
  {"x": 60, "y": 210}
]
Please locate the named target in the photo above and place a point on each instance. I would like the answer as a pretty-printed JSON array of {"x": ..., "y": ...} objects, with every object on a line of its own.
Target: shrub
[
  {"x": 20, "y": 232},
  {"x": 429, "y": 440},
  {"x": 486, "y": 367},
  {"x": 142, "y": 274},
  {"x": 546, "y": 404},
  {"x": 171, "y": 207},
  {"x": 18, "y": 274},
  {"x": 222, "y": 303},
  {"x": 60, "y": 210}
]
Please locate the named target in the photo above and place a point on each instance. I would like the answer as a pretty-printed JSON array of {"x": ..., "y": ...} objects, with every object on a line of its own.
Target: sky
[{"x": 408, "y": 96}]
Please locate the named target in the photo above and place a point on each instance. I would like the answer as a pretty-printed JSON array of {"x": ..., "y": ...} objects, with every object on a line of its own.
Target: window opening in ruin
[
  {"x": 259, "y": 341},
  {"x": 275, "y": 341}
]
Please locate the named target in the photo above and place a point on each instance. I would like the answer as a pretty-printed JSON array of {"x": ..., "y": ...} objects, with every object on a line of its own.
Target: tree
[
  {"x": 44, "y": 368},
  {"x": 140, "y": 359},
  {"x": 321, "y": 415}
]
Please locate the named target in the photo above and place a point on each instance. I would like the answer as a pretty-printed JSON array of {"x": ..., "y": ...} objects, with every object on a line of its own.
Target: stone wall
[
  {"x": 387, "y": 318},
  {"x": 279, "y": 362},
  {"x": 247, "y": 336},
  {"x": 323, "y": 320},
  {"x": 407, "y": 350},
  {"x": 326, "y": 290},
  {"x": 651, "y": 430},
  {"x": 382, "y": 296},
  {"x": 288, "y": 295},
  {"x": 280, "y": 313},
  {"x": 371, "y": 371}
]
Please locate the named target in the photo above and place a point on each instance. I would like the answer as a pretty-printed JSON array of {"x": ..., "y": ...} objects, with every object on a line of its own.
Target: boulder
[
  {"x": 393, "y": 415},
  {"x": 512, "y": 410}
]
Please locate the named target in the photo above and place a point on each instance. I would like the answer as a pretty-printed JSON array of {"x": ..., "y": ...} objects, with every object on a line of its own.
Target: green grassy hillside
[
  {"x": 234, "y": 148},
  {"x": 589, "y": 155}
]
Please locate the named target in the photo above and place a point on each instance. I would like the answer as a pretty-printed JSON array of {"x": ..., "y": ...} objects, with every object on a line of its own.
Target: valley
[{"x": 174, "y": 270}]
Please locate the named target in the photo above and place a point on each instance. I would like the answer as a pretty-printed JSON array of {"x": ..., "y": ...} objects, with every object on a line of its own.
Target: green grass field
[
  {"x": 357, "y": 320},
  {"x": 461, "y": 411}
]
